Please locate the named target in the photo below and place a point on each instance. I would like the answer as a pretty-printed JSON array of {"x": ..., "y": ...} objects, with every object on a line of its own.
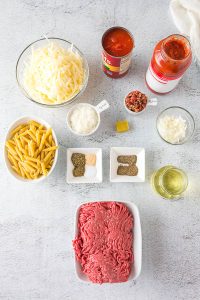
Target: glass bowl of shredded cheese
[
  {"x": 52, "y": 72},
  {"x": 175, "y": 125}
]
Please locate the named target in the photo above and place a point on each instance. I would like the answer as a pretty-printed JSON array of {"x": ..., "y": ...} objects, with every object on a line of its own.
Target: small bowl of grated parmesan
[
  {"x": 175, "y": 125},
  {"x": 52, "y": 72}
]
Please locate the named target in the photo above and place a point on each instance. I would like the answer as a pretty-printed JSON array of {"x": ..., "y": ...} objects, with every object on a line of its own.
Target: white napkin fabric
[{"x": 186, "y": 16}]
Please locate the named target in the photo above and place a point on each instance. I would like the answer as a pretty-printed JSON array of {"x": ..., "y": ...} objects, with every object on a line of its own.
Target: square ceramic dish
[
  {"x": 137, "y": 243},
  {"x": 115, "y": 152},
  {"x": 97, "y": 179}
]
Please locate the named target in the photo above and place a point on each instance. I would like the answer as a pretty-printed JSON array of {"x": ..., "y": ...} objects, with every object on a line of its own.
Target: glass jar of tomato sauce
[
  {"x": 117, "y": 44},
  {"x": 171, "y": 58}
]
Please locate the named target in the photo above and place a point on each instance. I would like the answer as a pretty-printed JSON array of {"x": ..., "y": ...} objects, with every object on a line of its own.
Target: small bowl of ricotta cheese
[{"x": 83, "y": 119}]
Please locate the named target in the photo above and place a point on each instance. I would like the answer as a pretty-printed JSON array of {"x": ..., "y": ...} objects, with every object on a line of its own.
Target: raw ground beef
[{"x": 103, "y": 246}]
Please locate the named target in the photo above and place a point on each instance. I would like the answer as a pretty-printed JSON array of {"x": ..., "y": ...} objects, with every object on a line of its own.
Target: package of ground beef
[{"x": 104, "y": 243}]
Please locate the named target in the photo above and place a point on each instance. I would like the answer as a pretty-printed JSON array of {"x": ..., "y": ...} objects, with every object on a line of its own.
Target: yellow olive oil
[{"x": 169, "y": 182}]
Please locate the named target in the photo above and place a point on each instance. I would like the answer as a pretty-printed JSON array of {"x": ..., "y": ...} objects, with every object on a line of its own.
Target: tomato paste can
[{"x": 116, "y": 66}]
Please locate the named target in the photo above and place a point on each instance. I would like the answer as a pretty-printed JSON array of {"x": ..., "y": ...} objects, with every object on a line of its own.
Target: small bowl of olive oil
[{"x": 169, "y": 182}]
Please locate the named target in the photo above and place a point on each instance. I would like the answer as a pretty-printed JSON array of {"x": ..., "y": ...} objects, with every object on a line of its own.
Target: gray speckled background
[{"x": 37, "y": 220}]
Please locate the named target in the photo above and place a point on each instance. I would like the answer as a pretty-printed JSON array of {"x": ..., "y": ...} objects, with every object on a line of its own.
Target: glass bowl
[
  {"x": 24, "y": 56},
  {"x": 177, "y": 111}
]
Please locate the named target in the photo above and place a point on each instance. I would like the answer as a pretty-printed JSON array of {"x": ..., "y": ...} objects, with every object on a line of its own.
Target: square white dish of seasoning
[
  {"x": 119, "y": 169},
  {"x": 84, "y": 170}
]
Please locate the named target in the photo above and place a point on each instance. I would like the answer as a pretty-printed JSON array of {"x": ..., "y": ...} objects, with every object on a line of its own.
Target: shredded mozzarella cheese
[
  {"x": 53, "y": 74},
  {"x": 172, "y": 129}
]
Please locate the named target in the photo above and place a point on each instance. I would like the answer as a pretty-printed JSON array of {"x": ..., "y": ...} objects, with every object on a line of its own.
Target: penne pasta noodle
[
  {"x": 50, "y": 138},
  {"x": 42, "y": 142},
  {"x": 38, "y": 137},
  {"x": 32, "y": 135},
  {"x": 22, "y": 171},
  {"x": 25, "y": 139},
  {"x": 43, "y": 131},
  {"x": 11, "y": 142},
  {"x": 26, "y": 173},
  {"x": 36, "y": 153},
  {"x": 11, "y": 150},
  {"x": 32, "y": 128},
  {"x": 17, "y": 170},
  {"x": 47, "y": 162},
  {"x": 47, "y": 156},
  {"x": 36, "y": 124},
  {"x": 19, "y": 145},
  {"x": 50, "y": 149},
  {"x": 16, "y": 130},
  {"x": 32, "y": 148},
  {"x": 12, "y": 160},
  {"x": 47, "y": 144},
  {"x": 24, "y": 132},
  {"x": 27, "y": 167},
  {"x": 16, "y": 158},
  {"x": 22, "y": 141},
  {"x": 36, "y": 160},
  {"x": 23, "y": 129},
  {"x": 42, "y": 156},
  {"x": 36, "y": 174},
  {"x": 44, "y": 170},
  {"x": 48, "y": 132},
  {"x": 31, "y": 164}
]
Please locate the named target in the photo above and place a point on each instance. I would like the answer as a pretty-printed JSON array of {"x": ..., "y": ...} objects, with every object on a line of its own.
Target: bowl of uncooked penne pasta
[{"x": 31, "y": 149}]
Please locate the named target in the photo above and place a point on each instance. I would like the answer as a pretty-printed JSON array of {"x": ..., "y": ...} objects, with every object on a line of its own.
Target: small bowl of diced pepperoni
[{"x": 136, "y": 102}]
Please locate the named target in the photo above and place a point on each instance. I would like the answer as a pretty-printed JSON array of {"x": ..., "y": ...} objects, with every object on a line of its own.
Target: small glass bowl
[
  {"x": 177, "y": 111},
  {"x": 24, "y": 56},
  {"x": 158, "y": 181}
]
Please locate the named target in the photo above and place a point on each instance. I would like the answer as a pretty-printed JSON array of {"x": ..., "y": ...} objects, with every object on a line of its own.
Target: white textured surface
[{"x": 36, "y": 221}]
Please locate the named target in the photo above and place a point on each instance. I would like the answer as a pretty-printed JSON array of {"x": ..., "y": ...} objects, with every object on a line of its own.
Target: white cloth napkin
[{"x": 186, "y": 16}]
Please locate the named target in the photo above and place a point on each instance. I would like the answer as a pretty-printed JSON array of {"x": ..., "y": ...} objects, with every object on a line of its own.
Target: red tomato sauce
[
  {"x": 175, "y": 49},
  {"x": 118, "y": 42}
]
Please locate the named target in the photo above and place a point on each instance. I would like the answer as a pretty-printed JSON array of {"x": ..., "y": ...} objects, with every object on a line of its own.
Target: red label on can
[{"x": 115, "y": 66}]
